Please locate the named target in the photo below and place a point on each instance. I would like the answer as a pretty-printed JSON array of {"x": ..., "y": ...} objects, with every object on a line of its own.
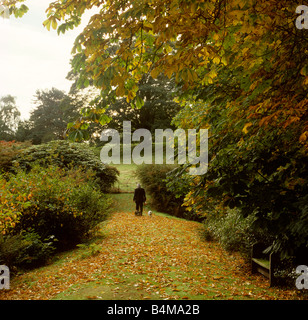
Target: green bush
[
  {"x": 68, "y": 155},
  {"x": 25, "y": 250},
  {"x": 8, "y": 151},
  {"x": 233, "y": 232},
  {"x": 260, "y": 170},
  {"x": 51, "y": 201}
]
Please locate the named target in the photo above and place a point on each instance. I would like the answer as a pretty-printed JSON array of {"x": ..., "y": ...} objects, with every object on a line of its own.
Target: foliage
[
  {"x": 48, "y": 121},
  {"x": 18, "y": 11},
  {"x": 262, "y": 174},
  {"x": 178, "y": 182},
  {"x": 193, "y": 41},
  {"x": 157, "y": 111},
  {"x": 234, "y": 232},
  {"x": 25, "y": 250},
  {"x": 53, "y": 110},
  {"x": 51, "y": 202},
  {"x": 67, "y": 155},
  {"x": 153, "y": 177},
  {"x": 8, "y": 151}
]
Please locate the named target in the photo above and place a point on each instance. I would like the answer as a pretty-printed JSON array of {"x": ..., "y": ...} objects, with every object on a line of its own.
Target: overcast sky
[{"x": 31, "y": 57}]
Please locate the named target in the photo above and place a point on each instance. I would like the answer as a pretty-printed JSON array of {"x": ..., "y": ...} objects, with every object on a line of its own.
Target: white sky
[{"x": 31, "y": 57}]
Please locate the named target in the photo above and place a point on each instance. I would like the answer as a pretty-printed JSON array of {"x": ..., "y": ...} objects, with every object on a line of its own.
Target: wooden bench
[{"x": 262, "y": 263}]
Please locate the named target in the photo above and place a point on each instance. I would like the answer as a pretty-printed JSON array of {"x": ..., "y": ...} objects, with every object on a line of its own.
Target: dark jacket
[{"x": 139, "y": 195}]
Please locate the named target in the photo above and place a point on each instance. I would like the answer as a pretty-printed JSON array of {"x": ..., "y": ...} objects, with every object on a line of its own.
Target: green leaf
[
  {"x": 139, "y": 102},
  {"x": 75, "y": 136},
  {"x": 70, "y": 125},
  {"x": 86, "y": 83},
  {"x": 84, "y": 126},
  {"x": 104, "y": 119},
  {"x": 46, "y": 24},
  {"x": 54, "y": 23}
]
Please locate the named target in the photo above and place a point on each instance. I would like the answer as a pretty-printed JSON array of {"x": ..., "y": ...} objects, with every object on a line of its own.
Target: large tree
[
  {"x": 53, "y": 110},
  {"x": 48, "y": 121},
  {"x": 193, "y": 40},
  {"x": 158, "y": 109}
]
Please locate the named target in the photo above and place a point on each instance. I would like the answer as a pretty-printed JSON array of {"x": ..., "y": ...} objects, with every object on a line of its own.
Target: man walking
[{"x": 139, "y": 198}]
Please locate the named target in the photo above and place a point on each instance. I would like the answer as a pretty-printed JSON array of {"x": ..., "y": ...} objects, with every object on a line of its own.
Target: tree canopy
[
  {"x": 157, "y": 112},
  {"x": 195, "y": 41},
  {"x": 243, "y": 68},
  {"x": 48, "y": 120}
]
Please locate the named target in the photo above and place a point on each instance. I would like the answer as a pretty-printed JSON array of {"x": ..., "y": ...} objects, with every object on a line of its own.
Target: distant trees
[
  {"x": 54, "y": 109},
  {"x": 48, "y": 121},
  {"x": 9, "y": 117},
  {"x": 157, "y": 112}
]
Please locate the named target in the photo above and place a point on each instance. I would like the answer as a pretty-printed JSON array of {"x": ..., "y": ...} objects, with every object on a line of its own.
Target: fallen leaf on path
[{"x": 146, "y": 257}]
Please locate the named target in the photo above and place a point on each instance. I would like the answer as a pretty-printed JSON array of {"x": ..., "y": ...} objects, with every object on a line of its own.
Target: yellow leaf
[
  {"x": 247, "y": 125},
  {"x": 169, "y": 72},
  {"x": 224, "y": 61},
  {"x": 209, "y": 80},
  {"x": 168, "y": 49},
  {"x": 303, "y": 137},
  {"x": 244, "y": 51},
  {"x": 216, "y": 60},
  {"x": 120, "y": 90},
  {"x": 253, "y": 86},
  {"x": 237, "y": 14},
  {"x": 303, "y": 71},
  {"x": 46, "y": 24},
  {"x": 212, "y": 74},
  {"x": 54, "y": 24},
  {"x": 155, "y": 72},
  {"x": 216, "y": 36}
]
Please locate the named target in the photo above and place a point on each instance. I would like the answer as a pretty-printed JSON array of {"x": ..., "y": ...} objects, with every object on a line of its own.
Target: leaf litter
[{"x": 147, "y": 258}]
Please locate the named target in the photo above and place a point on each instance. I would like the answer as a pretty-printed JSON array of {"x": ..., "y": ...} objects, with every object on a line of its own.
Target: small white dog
[{"x": 150, "y": 213}]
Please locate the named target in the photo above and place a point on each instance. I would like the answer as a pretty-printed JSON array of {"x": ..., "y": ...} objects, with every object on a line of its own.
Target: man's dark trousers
[
  {"x": 139, "y": 198},
  {"x": 139, "y": 207}
]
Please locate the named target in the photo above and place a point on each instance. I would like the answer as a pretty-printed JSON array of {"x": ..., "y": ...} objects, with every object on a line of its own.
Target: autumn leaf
[{"x": 247, "y": 125}]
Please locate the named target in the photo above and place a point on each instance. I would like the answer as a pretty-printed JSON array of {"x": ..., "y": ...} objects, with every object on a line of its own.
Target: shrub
[
  {"x": 53, "y": 202},
  {"x": 25, "y": 249},
  {"x": 8, "y": 151},
  {"x": 260, "y": 170},
  {"x": 233, "y": 232},
  {"x": 153, "y": 177},
  {"x": 69, "y": 155},
  {"x": 178, "y": 183}
]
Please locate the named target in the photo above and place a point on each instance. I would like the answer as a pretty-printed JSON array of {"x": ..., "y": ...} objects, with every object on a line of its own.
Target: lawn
[{"x": 127, "y": 179}]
